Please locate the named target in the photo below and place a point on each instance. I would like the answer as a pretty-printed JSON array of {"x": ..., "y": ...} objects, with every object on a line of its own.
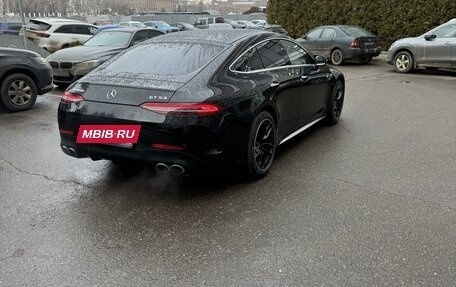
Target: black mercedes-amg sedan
[{"x": 200, "y": 99}]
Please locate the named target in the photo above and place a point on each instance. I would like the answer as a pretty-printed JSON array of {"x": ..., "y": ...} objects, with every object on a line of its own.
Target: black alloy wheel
[
  {"x": 18, "y": 92},
  {"x": 262, "y": 145},
  {"x": 335, "y": 104}
]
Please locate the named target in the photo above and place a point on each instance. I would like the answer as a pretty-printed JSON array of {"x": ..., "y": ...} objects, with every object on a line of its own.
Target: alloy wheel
[
  {"x": 19, "y": 92},
  {"x": 402, "y": 62},
  {"x": 336, "y": 57},
  {"x": 264, "y": 144},
  {"x": 338, "y": 103}
]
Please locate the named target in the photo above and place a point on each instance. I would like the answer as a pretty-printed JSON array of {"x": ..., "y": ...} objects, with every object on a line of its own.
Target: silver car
[{"x": 434, "y": 49}]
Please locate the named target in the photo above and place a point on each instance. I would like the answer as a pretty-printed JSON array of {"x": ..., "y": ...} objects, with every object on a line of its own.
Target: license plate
[
  {"x": 60, "y": 73},
  {"x": 369, "y": 43},
  {"x": 108, "y": 134}
]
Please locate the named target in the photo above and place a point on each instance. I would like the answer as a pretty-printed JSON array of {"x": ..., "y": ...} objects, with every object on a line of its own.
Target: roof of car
[
  {"x": 128, "y": 29},
  {"x": 55, "y": 20},
  {"x": 214, "y": 37}
]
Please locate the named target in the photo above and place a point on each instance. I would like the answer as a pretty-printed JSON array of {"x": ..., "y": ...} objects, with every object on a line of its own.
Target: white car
[
  {"x": 55, "y": 34},
  {"x": 259, "y": 23},
  {"x": 133, "y": 24}
]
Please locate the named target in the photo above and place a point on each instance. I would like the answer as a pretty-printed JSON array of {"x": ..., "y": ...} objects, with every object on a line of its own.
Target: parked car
[
  {"x": 136, "y": 24},
  {"x": 275, "y": 28},
  {"x": 23, "y": 76},
  {"x": 162, "y": 26},
  {"x": 342, "y": 43},
  {"x": 203, "y": 23},
  {"x": 10, "y": 28},
  {"x": 246, "y": 24},
  {"x": 182, "y": 26},
  {"x": 55, "y": 34},
  {"x": 434, "y": 49},
  {"x": 69, "y": 65},
  {"x": 259, "y": 23},
  {"x": 233, "y": 23},
  {"x": 202, "y": 99}
]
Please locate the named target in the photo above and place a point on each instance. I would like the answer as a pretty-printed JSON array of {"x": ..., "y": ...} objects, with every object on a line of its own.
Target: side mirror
[
  {"x": 304, "y": 37},
  {"x": 320, "y": 60},
  {"x": 430, "y": 37}
]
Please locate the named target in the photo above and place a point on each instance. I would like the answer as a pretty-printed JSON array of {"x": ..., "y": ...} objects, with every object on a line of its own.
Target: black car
[
  {"x": 23, "y": 76},
  {"x": 201, "y": 98},
  {"x": 71, "y": 64}
]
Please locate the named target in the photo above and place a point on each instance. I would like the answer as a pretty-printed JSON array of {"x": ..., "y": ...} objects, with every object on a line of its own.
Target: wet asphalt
[{"x": 368, "y": 202}]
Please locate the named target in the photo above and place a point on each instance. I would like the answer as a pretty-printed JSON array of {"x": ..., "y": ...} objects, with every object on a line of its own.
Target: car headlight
[
  {"x": 40, "y": 60},
  {"x": 89, "y": 64}
]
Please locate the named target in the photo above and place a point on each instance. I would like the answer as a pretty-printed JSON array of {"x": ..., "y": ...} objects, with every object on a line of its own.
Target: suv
[
  {"x": 23, "y": 76},
  {"x": 55, "y": 34},
  {"x": 434, "y": 49},
  {"x": 10, "y": 28},
  {"x": 203, "y": 23}
]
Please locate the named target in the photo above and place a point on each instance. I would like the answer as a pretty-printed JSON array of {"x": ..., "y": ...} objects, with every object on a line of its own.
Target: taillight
[
  {"x": 354, "y": 44},
  {"x": 71, "y": 98},
  {"x": 167, "y": 146},
  {"x": 42, "y": 35},
  {"x": 201, "y": 109},
  {"x": 66, "y": 132}
]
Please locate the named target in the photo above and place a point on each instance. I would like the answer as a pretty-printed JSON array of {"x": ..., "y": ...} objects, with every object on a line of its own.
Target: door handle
[
  {"x": 448, "y": 44},
  {"x": 275, "y": 84}
]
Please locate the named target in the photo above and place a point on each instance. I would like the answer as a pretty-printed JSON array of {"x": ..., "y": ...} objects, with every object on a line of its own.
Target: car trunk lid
[{"x": 117, "y": 91}]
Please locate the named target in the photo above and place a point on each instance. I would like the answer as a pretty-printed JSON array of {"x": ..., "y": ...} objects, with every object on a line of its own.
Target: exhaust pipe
[
  {"x": 161, "y": 167},
  {"x": 65, "y": 149},
  {"x": 72, "y": 152},
  {"x": 177, "y": 169}
]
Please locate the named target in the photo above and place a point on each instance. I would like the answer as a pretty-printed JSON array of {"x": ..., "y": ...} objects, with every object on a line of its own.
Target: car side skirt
[{"x": 295, "y": 133}]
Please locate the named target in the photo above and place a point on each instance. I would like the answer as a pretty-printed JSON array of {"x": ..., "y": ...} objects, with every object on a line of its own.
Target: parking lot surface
[{"x": 368, "y": 202}]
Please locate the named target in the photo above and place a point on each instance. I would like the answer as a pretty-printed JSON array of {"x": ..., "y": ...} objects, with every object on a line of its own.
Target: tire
[
  {"x": 403, "y": 62},
  {"x": 337, "y": 58},
  {"x": 335, "y": 103},
  {"x": 261, "y": 146},
  {"x": 18, "y": 92}
]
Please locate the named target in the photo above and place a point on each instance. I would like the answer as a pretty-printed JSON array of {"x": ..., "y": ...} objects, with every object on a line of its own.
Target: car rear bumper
[
  {"x": 356, "y": 53},
  {"x": 210, "y": 143}
]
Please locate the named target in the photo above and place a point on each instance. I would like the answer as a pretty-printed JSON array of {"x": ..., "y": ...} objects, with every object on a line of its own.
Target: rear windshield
[
  {"x": 38, "y": 26},
  {"x": 164, "y": 59},
  {"x": 356, "y": 32}
]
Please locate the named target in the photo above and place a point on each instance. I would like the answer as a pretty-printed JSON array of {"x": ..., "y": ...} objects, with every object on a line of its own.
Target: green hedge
[{"x": 390, "y": 19}]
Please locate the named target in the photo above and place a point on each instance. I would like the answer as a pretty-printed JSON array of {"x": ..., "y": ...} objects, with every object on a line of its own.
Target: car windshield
[
  {"x": 161, "y": 24},
  {"x": 164, "y": 59},
  {"x": 138, "y": 24},
  {"x": 109, "y": 38},
  {"x": 231, "y": 21},
  {"x": 356, "y": 32}
]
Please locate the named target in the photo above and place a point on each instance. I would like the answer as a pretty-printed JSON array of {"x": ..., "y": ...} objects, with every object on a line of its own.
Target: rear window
[
  {"x": 164, "y": 59},
  {"x": 356, "y": 32},
  {"x": 38, "y": 26}
]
